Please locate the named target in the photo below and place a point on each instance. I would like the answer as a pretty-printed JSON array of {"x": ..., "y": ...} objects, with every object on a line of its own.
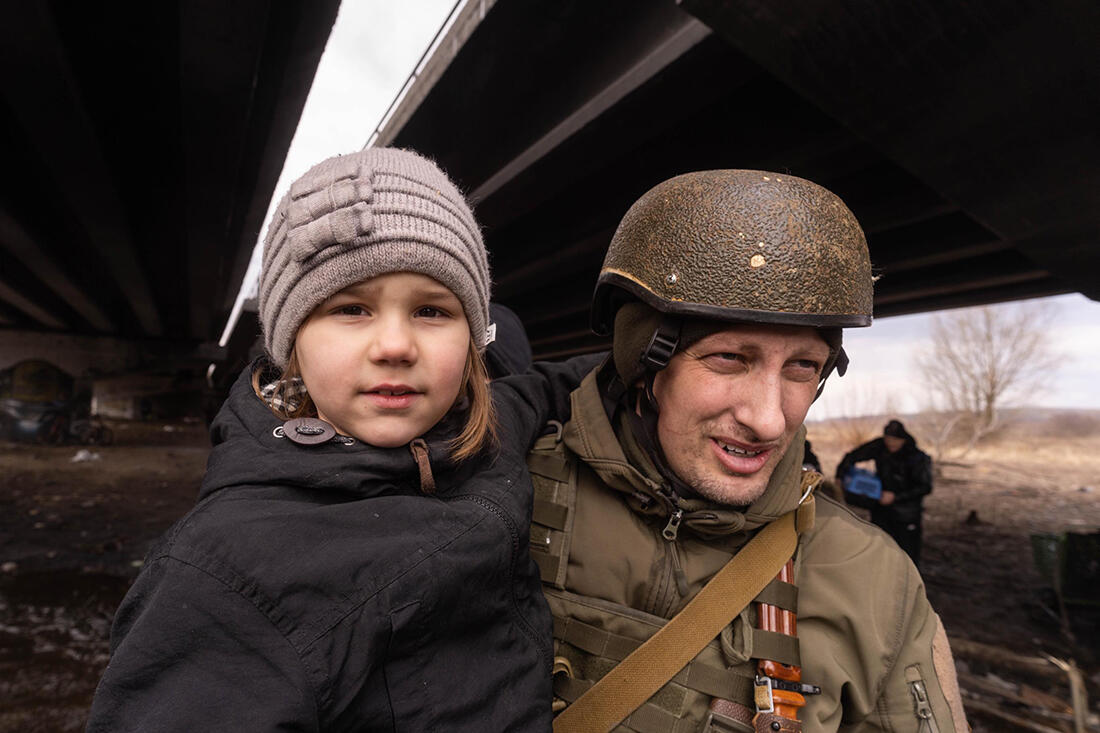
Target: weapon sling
[{"x": 634, "y": 680}]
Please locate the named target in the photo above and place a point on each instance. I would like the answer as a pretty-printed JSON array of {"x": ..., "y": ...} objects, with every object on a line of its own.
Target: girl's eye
[
  {"x": 350, "y": 310},
  {"x": 430, "y": 311}
]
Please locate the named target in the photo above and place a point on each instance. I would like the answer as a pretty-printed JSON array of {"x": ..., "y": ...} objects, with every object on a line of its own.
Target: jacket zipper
[
  {"x": 500, "y": 514},
  {"x": 673, "y": 564}
]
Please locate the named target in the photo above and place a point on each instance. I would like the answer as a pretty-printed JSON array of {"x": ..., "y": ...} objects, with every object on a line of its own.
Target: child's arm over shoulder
[
  {"x": 525, "y": 402},
  {"x": 190, "y": 654}
]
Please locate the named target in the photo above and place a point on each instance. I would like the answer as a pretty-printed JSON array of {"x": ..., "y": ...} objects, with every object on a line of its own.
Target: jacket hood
[
  {"x": 510, "y": 351},
  {"x": 614, "y": 454},
  {"x": 248, "y": 452},
  {"x": 897, "y": 430}
]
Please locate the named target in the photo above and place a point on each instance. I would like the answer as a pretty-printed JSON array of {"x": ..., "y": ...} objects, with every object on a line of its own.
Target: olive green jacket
[{"x": 867, "y": 634}]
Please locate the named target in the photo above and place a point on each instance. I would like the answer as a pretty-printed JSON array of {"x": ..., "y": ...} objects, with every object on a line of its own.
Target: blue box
[{"x": 864, "y": 483}]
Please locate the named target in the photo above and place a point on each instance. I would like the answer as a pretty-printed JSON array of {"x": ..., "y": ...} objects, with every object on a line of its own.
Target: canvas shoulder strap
[{"x": 650, "y": 666}]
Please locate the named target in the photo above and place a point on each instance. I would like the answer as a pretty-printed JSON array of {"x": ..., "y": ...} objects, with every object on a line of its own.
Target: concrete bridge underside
[
  {"x": 142, "y": 143},
  {"x": 963, "y": 135}
]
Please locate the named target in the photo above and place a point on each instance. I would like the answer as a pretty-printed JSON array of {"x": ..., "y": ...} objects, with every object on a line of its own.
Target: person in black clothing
[
  {"x": 906, "y": 475},
  {"x": 510, "y": 352},
  {"x": 359, "y": 558},
  {"x": 810, "y": 460}
]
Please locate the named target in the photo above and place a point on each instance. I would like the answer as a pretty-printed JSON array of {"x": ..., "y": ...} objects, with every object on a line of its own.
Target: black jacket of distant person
[
  {"x": 320, "y": 588},
  {"x": 907, "y": 473}
]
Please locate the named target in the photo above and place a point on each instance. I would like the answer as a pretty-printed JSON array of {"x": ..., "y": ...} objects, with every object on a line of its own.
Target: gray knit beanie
[{"x": 357, "y": 216}]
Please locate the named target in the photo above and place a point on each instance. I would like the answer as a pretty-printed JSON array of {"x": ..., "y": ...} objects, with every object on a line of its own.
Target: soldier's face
[
  {"x": 893, "y": 443},
  {"x": 731, "y": 404}
]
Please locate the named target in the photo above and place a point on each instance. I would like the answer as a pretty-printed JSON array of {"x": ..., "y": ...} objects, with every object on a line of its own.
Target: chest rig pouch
[
  {"x": 554, "y": 476},
  {"x": 713, "y": 693}
]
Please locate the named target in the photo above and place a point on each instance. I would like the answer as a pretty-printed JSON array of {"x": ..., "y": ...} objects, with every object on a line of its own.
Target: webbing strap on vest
[{"x": 663, "y": 655}]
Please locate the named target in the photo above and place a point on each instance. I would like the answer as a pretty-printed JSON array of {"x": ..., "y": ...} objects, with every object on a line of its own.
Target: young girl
[{"x": 358, "y": 558}]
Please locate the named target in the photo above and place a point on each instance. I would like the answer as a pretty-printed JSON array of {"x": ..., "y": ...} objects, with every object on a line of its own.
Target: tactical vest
[{"x": 592, "y": 635}]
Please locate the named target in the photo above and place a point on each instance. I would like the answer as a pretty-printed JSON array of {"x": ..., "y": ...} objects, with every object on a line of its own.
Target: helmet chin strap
[
  {"x": 643, "y": 416},
  {"x": 662, "y": 345},
  {"x": 839, "y": 363},
  {"x": 643, "y": 409}
]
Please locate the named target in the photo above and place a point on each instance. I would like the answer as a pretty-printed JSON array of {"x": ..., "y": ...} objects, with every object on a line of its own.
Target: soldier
[
  {"x": 669, "y": 507},
  {"x": 906, "y": 475}
]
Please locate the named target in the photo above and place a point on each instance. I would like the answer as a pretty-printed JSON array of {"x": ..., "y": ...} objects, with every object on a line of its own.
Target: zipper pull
[
  {"x": 923, "y": 707},
  {"x": 673, "y": 527}
]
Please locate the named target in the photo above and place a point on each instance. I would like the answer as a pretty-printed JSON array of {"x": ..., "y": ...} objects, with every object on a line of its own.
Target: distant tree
[{"x": 979, "y": 362}]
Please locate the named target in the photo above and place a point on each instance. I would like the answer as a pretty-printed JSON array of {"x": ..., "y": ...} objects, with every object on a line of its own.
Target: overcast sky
[
  {"x": 883, "y": 377},
  {"x": 376, "y": 44}
]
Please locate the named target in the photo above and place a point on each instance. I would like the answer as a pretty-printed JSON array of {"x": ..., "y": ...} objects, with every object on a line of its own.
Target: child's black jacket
[{"x": 316, "y": 588}]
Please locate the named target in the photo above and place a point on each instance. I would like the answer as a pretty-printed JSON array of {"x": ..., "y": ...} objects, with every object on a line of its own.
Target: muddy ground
[
  {"x": 977, "y": 561},
  {"x": 73, "y": 535},
  {"x": 72, "y": 539}
]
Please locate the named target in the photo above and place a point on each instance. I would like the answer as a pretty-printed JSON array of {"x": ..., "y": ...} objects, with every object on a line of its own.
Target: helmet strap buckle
[{"x": 666, "y": 337}]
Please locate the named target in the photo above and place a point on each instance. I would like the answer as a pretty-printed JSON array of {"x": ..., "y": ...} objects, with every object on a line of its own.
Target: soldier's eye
[
  {"x": 803, "y": 369},
  {"x": 725, "y": 360}
]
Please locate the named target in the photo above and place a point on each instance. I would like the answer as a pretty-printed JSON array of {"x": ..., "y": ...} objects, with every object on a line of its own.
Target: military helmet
[{"x": 739, "y": 245}]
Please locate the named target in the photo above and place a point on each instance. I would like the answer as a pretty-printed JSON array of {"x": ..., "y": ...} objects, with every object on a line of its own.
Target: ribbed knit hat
[{"x": 357, "y": 216}]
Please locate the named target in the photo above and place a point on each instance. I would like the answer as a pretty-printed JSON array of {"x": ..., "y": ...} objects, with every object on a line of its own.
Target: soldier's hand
[{"x": 887, "y": 498}]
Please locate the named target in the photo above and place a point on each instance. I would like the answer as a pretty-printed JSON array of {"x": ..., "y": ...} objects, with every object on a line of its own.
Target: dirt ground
[
  {"x": 979, "y": 569},
  {"x": 73, "y": 535},
  {"x": 72, "y": 539}
]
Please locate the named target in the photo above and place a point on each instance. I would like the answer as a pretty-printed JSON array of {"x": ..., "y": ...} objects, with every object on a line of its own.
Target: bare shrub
[
  {"x": 939, "y": 429},
  {"x": 855, "y": 431},
  {"x": 1072, "y": 424},
  {"x": 980, "y": 361}
]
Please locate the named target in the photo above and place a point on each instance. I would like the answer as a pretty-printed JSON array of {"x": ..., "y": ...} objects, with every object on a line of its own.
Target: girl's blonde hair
[{"x": 289, "y": 401}]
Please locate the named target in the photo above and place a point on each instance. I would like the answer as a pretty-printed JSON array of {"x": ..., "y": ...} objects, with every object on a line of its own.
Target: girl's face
[{"x": 383, "y": 359}]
